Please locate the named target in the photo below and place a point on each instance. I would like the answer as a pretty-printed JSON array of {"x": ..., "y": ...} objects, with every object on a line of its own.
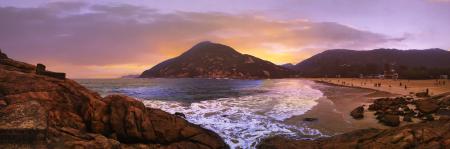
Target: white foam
[{"x": 243, "y": 121}]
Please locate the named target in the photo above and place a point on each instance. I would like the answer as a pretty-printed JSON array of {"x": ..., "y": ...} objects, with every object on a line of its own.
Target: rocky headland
[
  {"x": 213, "y": 60},
  {"x": 42, "y": 109}
]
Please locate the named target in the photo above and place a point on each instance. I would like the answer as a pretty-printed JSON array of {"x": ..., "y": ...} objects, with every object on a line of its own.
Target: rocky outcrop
[
  {"x": 358, "y": 113},
  {"x": 389, "y": 111},
  {"x": 427, "y": 106},
  {"x": 212, "y": 60},
  {"x": 433, "y": 131},
  {"x": 390, "y": 119},
  {"x": 38, "y": 111},
  {"x": 12, "y": 65},
  {"x": 435, "y": 134}
]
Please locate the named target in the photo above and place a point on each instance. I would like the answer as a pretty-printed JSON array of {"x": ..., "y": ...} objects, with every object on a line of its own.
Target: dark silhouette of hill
[
  {"x": 413, "y": 64},
  {"x": 288, "y": 65},
  {"x": 213, "y": 60}
]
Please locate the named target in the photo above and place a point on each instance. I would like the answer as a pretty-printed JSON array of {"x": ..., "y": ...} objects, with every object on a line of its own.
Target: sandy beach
[
  {"x": 435, "y": 87},
  {"x": 333, "y": 110}
]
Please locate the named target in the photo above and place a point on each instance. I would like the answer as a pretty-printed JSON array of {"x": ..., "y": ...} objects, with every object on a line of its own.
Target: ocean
[{"x": 241, "y": 111}]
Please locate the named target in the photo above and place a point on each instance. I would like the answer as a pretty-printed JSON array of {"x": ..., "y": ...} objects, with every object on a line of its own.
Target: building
[{"x": 389, "y": 72}]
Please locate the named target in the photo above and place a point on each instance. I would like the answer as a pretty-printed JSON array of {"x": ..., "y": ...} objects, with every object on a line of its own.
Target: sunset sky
[{"x": 111, "y": 38}]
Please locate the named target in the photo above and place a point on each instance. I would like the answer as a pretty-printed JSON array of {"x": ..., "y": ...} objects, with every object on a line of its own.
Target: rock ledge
[{"x": 42, "y": 111}]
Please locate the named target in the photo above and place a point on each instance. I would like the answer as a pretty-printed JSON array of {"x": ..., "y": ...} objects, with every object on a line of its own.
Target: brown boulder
[
  {"x": 125, "y": 118},
  {"x": 443, "y": 112},
  {"x": 445, "y": 102},
  {"x": 310, "y": 119},
  {"x": 358, "y": 113},
  {"x": 428, "y": 117},
  {"x": 422, "y": 94},
  {"x": 407, "y": 118},
  {"x": 426, "y": 106},
  {"x": 3, "y": 103},
  {"x": 390, "y": 120},
  {"x": 388, "y": 103},
  {"x": 180, "y": 114}
]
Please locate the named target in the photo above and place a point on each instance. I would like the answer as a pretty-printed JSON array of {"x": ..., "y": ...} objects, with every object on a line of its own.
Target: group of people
[
  {"x": 440, "y": 83},
  {"x": 377, "y": 84}
]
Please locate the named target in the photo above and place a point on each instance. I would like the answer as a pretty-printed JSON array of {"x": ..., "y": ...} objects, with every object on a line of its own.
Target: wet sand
[
  {"x": 333, "y": 110},
  {"x": 393, "y": 86}
]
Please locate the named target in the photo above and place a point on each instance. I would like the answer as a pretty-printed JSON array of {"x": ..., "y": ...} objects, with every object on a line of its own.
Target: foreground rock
[
  {"x": 429, "y": 135},
  {"x": 38, "y": 111}
]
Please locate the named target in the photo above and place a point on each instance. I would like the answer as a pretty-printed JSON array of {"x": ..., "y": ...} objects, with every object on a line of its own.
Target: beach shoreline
[
  {"x": 435, "y": 87},
  {"x": 332, "y": 113},
  {"x": 386, "y": 102},
  {"x": 348, "y": 95}
]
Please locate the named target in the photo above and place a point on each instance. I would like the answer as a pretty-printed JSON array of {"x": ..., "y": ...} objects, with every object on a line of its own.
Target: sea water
[{"x": 241, "y": 111}]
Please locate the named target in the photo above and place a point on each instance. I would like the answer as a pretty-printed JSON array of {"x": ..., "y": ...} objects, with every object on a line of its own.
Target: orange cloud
[{"x": 110, "y": 41}]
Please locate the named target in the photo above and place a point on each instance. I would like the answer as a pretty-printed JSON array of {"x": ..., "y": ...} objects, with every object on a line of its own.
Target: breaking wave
[{"x": 243, "y": 121}]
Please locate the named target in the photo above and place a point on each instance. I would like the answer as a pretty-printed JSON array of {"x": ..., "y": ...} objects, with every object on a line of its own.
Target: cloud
[
  {"x": 108, "y": 37},
  {"x": 440, "y": 1}
]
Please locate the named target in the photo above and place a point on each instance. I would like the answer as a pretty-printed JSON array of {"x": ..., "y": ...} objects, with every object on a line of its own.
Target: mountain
[
  {"x": 288, "y": 66},
  {"x": 213, "y": 60},
  {"x": 413, "y": 64}
]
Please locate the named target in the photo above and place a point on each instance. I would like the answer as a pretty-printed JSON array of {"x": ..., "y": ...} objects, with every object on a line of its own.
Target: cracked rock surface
[
  {"x": 42, "y": 112},
  {"x": 427, "y": 135}
]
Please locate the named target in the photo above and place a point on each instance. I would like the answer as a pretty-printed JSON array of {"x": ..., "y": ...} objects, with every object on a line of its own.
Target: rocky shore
[
  {"x": 41, "y": 111},
  {"x": 415, "y": 123},
  {"x": 389, "y": 111},
  {"x": 428, "y": 135}
]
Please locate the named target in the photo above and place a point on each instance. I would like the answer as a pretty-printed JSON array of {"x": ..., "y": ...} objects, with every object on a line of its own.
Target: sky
[{"x": 112, "y": 38}]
